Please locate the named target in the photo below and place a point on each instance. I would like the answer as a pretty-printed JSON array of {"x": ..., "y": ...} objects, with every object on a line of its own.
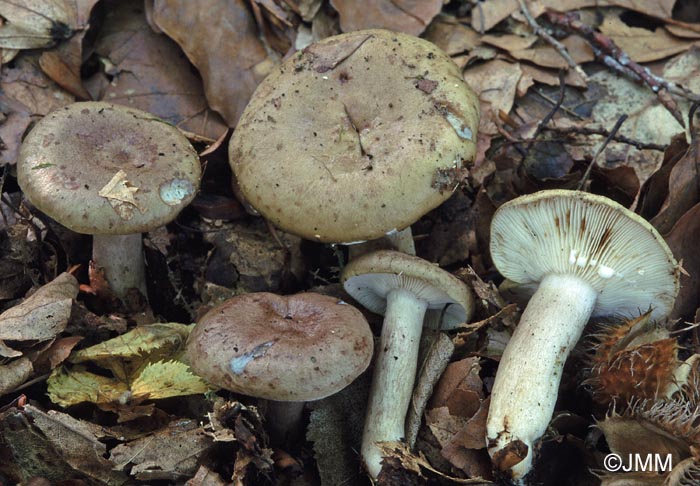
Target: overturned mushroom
[
  {"x": 591, "y": 257},
  {"x": 112, "y": 172},
  {"x": 402, "y": 288}
]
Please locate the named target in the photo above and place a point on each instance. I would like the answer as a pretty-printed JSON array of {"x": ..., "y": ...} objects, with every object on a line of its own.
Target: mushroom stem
[
  {"x": 121, "y": 258},
  {"x": 528, "y": 376},
  {"x": 284, "y": 422},
  {"x": 394, "y": 374}
]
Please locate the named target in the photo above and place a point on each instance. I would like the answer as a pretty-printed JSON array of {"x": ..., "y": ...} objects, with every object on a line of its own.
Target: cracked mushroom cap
[
  {"x": 286, "y": 348},
  {"x": 592, "y": 237},
  {"x": 370, "y": 278},
  {"x": 99, "y": 168},
  {"x": 355, "y": 136}
]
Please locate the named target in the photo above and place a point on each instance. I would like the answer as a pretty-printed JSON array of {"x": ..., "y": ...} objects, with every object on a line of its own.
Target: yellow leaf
[
  {"x": 167, "y": 379},
  {"x": 126, "y": 354},
  {"x": 69, "y": 387}
]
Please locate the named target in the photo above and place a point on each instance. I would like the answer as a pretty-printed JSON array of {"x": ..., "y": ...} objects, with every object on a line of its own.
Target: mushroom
[
  {"x": 355, "y": 137},
  {"x": 591, "y": 257},
  {"x": 402, "y": 288},
  {"x": 290, "y": 349},
  {"x": 112, "y": 172}
]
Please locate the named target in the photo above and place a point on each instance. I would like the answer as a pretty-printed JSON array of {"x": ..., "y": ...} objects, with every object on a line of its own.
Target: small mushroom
[
  {"x": 291, "y": 349},
  {"x": 351, "y": 139},
  {"x": 402, "y": 288},
  {"x": 112, "y": 172},
  {"x": 591, "y": 257}
]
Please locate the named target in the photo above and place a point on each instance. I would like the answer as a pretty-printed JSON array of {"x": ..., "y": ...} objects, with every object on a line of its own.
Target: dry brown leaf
[
  {"x": 32, "y": 24},
  {"x": 495, "y": 82},
  {"x": 46, "y": 360},
  {"x": 460, "y": 389},
  {"x": 683, "y": 241},
  {"x": 148, "y": 72},
  {"x": 24, "y": 82},
  {"x": 451, "y": 36},
  {"x": 43, "y": 315},
  {"x": 642, "y": 45},
  {"x": 335, "y": 430},
  {"x": 232, "y": 70},
  {"x": 656, "y": 190},
  {"x": 57, "y": 446},
  {"x": 409, "y": 16},
  {"x": 548, "y": 76},
  {"x": 169, "y": 454},
  {"x": 14, "y": 373},
  {"x": 15, "y": 120},
  {"x": 434, "y": 364},
  {"x": 509, "y": 42},
  {"x": 548, "y": 57},
  {"x": 683, "y": 190},
  {"x": 487, "y": 14}
]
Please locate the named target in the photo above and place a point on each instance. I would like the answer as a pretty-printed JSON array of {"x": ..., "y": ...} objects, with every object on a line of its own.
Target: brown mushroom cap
[
  {"x": 286, "y": 348},
  {"x": 355, "y": 136},
  {"x": 99, "y": 168}
]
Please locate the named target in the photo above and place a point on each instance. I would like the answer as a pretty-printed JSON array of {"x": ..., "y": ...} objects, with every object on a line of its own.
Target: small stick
[
  {"x": 561, "y": 48},
  {"x": 607, "y": 52},
  {"x": 587, "y": 174},
  {"x": 605, "y": 133}
]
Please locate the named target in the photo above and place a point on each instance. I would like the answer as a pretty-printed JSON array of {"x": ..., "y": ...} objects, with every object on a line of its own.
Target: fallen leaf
[
  {"x": 14, "y": 373},
  {"x": 120, "y": 194},
  {"x": 683, "y": 241},
  {"x": 171, "y": 453},
  {"x": 15, "y": 121},
  {"x": 165, "y": 379},
  {"x": 62, "y": 64},
  {"x": 335, "y": 430},
  {"x": 548, "y": 57},
  {"x": 451, "y": 36},
  {"x": 24, "y": 82},
  {"x": 683, "y": 191},
  {"x": 495, "y": 83},
  {"x": 57, "y": 446},
  {"x": 148, "y": 71},
  {"x": 434, "y": 364},
  {"x": 640, "y": 44},
  {"x": 32, "y": 24},
  {"x": 70, "y": 387},
  {"x": 232, "y": 70},
  {"x": 487, "y": 14},
  {"x": 144, "y": 366},
  {"x": 42, "y": 316},
  {"x": 409, "y": 16}
]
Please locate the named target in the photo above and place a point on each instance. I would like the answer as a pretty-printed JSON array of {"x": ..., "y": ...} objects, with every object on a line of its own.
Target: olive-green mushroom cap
[
  {"x": 370, "y": 278},
  {"x": 99, "y": 168},
  {"x": 287, "y": 348},
  {"x": 355, "y": 136}
]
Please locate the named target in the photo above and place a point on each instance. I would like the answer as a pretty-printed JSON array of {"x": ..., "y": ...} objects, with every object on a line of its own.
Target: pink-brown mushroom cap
[{"x": 286, "y": 348}]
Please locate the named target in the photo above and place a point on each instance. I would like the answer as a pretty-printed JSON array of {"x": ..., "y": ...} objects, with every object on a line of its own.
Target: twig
[
  {"x": 614, "y": 130},
  {"x": 552, "y": 101},
  {"x": 546, "y": 119},
  {"x": 561, "y": 48},
  {"x": 605, "y": 133},
  {"x": 607, "y": 52}
]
